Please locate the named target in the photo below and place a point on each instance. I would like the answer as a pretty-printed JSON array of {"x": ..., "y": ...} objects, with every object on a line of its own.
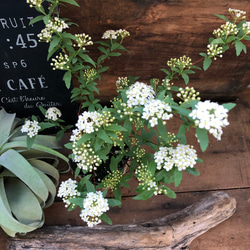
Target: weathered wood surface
[
  {"x": 160, "y": 30},
  {"x": 175, "y": 231}
]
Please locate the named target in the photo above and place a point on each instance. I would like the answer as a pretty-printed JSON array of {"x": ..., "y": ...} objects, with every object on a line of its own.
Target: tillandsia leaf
[
  {"x": 7, "y": 221},
  {"x": 23, "y": 203},
  {"x": 22, "y": 145},
  {"x": 17, "y": 164},
  {"x": 47, "y": 169},
  {"x": 6, "y": 125}
]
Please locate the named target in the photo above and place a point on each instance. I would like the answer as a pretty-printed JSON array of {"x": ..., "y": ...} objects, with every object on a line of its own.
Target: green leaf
[
  {"x": 67, "y": 79},
  {"x": 54, "y": 42},
  {"x": 87, "y": 59},
  {"x": 206, "y": 63},
  {"x": 192, "y": 171},
  {"x": 185, "y": 77},
  {"x": 177, "y": 177},
  {"x": 170, "y": 193},
  {"x": 229, "y": 106},
  {"x": 36, "y": 19},
  {"x": 84, "y": 138},
  {"x": 144, "y": 195},
  {"x": 113, "y": 202},
  {"x": 203, "y": 138},
  {"x": 118, "y": 194},
  {"x": 103, "y": 135},
  {"x": 106, "y": 219},
  {"x": 90, "y": 187},
  {"x": 239, "y": 46},
  {"x": 77, "y": 201},
  {"x": 162, "y": 130},
  {"x": 72, "y": 2},
  {"x": 222, "y": 17},
  {"x": 217, "y": 41}
]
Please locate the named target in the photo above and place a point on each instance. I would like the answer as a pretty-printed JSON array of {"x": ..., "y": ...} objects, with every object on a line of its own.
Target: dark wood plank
[{"x": 161, "y": 30}]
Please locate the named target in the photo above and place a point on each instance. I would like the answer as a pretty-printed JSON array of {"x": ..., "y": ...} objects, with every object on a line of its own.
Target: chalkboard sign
[{"x": 27, "y": 79}]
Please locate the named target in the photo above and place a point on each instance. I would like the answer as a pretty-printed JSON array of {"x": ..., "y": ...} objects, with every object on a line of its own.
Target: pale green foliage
[{"x": 28, "y": 177}]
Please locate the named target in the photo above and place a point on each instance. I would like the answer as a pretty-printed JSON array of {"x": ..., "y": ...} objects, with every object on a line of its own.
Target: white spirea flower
[
  {"x": 94, "y": 205},
  {"x": 210, "y": 116},
  {"x": 67, "y": 190},
  {"x": 139, "y": 93},
  {"x": 246, "y": 27},
  {"x": 35, "y": 3},
  {"x": 53, "y": 113},
  {"x": 88, "y": 121},
  {"x": 113, "y": 34},
  {"x": 156, "y": 109},
  {"x": 57, "y": 25},
  {"x": 182, "y": 157},
  {"x": 31, "y": 128}
]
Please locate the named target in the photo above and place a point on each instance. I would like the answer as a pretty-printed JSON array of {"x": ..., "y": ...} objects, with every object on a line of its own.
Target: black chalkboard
[{"x": 27, "y": 79}]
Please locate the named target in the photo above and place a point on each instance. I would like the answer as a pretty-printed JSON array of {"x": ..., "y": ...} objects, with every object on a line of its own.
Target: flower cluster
[
  {"x": 114, "y": 34},
  {"x": 188, "y": 94},
  {"x": 237, "y": 13},
  {"x": 139, "y": 94},
  {"x": 246, "y": 27},
  {"x": 228, "y": 29},
  {"x": 183, "y": 62},
  {"x": 214, "y": 50},
  {"x": 94, "y": 205},
  {"x": 83, "y": 40},
  {"x": 31, "y": 128},
  {"x": 121, "y": 83},
  {"x": 182, "y": 157},
  {"x": 57, "y": 25},
  {"x": 112, "y": 180},
  {"x": 210, "y": 116},
  {"x": 60, "y": 62},
  {"x": 156, "y": 109},
  {"x": 88, "y": 122},
  {"x": 35, "y": 3},
  {"x": 147, "y": 179},
  {"x": 53, "y": 114},
  {"x": 68, "y": 190}
]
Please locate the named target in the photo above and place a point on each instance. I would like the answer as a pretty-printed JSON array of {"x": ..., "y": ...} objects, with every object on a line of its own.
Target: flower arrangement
[{"x": 109, "y": 142}]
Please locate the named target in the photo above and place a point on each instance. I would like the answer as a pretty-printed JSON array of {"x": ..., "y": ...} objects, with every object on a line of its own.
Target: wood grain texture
[
  {"x": 160, "y": 30},
  {"x": 175, "y": 231}
]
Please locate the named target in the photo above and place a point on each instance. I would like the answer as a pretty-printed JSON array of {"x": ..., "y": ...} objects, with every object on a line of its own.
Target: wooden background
[{"x": 161, "y": 29}]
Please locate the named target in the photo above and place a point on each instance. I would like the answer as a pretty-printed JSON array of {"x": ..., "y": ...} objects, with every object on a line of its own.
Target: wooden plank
[
  {"x": 161, "y": 30},
  {"x": 174, "y": 231}
]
